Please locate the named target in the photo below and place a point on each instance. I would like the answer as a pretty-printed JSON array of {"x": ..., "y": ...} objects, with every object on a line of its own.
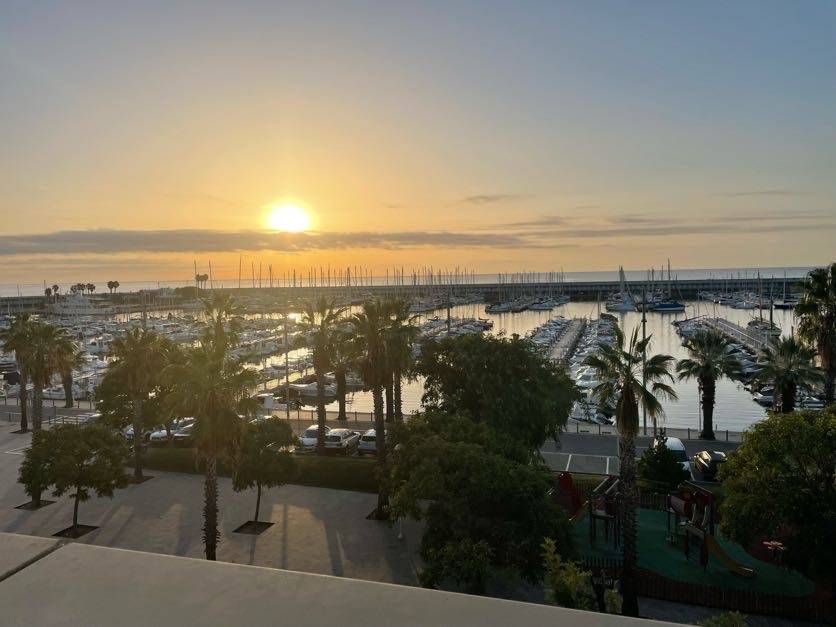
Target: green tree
[
  {"x": 781, "y": 483},
  {"x": 264, "y": 459},
  {"x": 503, "y": 382},
  {"x": 817, "y": 321},
  {"x": 48, "y": 346},
  {"x": 321, "y": 319},
  {"x": 710, "y": 358},
  {"x": 567, "y": 584},
  {"x": 16, "y": 338},
  {"x": 67, "y": 362},
  {"x": 85, "y": 459},
  {"x": 35, "y": 472},
  {"x": 368, "y": 329},
  {"x": 343, "y": 357},
  {"x": 139, "y": 359},
  {"x": 659, "y": 465},
  {"x": 485, "y": 501},
  {"x": 623, "y": 377},
  {"x": 787, "y": 365}
]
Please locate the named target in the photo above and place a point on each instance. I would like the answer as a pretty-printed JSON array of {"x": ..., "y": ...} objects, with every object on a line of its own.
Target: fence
[
  {"x": 655, "y": 586},
  {"x": 591, "y": 428}
]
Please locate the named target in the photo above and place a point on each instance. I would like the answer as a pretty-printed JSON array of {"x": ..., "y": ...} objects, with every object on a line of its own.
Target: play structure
[
  {"x": 604, "y": 506},
  {"x": 693, "y": 513}
]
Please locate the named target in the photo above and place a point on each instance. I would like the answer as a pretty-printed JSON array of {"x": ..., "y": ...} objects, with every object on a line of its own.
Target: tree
[
  {"x": 343, "y": 357},
  {"x": 139, "y": 359},
  {"x": 86, "y": 459},
  {"x": 787, "y": 365},
  {"x": 400, "y": 336},
  {"x": 16, "y": 338},
  {"x": 624, "y": 378},
  {"x": 567, "y": 584},
  {"x": 781, "y": 483},
  {"x": 214, "y": 388},
  {"x": 90, "y": 287},
  {"x": 264, "y": 460},
  {"x": 817, "y": 321},
  {"x": 659, "y": 465},
  {"x": 368, "y": 329},
  {"x": 48, "y": 347},
  {"x": 68, "y": 360},
  {"x": 710, "y": 358},
  {"x": 321, "y": 319},
  {"x": 503, "y": 382},
  {"x": 35, "y": 472},
  {"x": 48, "y": 294},
  {"x": 484, "y": 499}
]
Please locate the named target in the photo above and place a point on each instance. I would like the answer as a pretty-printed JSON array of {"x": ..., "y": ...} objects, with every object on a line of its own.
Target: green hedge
[{"x": 340, "y": 473}]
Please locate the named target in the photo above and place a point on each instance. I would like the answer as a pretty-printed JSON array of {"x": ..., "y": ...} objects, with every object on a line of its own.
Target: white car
[
  {"x": 368, "y": 443},
  {"x": 678, "y": 448},
  {"x": 307, "y": 441},
  {"x": 161, "y": 435},
  {"x": 341, "y": 440}
]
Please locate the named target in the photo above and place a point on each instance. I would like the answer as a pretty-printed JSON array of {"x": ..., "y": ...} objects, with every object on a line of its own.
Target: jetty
[
  {"x": 753, "y": 340},
  {"x": 565, "y": 346}
]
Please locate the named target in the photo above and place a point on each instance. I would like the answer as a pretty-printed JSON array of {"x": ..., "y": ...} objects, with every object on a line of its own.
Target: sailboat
[{"x": 623, "y": 300}]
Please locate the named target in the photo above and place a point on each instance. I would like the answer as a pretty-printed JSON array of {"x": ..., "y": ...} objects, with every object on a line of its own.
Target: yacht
[{"x": 77, "y": 304}]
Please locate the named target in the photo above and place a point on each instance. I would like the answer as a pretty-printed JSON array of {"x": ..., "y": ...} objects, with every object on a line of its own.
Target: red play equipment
[{"x": 692, "y": 508}]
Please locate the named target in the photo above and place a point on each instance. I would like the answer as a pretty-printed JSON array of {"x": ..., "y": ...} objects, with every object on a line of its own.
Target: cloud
[
  {"x": 763, "y": 192},
  {"x": 107, "y": 241},
  {"x": 487, "y": 199}
]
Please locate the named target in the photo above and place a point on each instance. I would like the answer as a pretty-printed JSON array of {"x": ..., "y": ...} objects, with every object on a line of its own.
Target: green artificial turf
[{"x": 660, "y": 556}]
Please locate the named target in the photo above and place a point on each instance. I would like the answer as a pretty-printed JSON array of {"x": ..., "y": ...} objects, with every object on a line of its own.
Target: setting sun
[{"x": 289, "y": 218}]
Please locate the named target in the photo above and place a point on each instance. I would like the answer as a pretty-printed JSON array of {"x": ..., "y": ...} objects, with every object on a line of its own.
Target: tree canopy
[
  {"x": 658, "y": 463},
  {"x": 502, "y": 382},
  {"x": 781, "y": 483},
  {"x": 486, "y": 504}
]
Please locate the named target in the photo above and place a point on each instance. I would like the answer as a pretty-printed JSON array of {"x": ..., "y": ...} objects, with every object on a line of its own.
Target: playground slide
[{"x": 736, "y": 567}]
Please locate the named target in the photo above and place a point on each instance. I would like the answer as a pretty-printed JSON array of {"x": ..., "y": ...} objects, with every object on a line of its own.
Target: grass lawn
[{"x": 658, "y": 555}]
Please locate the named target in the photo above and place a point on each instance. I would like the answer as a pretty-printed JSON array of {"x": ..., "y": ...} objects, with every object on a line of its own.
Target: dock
[
  {"x": 565, "y": 346},
  {"x": 755, "y": 341}
]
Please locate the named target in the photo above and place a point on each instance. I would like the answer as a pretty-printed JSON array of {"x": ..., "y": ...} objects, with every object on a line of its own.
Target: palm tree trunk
[
  {"x": 257, "y": 500},
  {"x": 23, "y": 396},
  {"x": 397, "y": 395},
  {"x": 390, "y": 398},
  {"x": 788, "y": 395},
  {"x": 75, "y": 510},
  {"x": 709, "y": 389},
  {"x": 137, "y": 424},
  {"x": 37, "y": 406},
  {"x": 380, "y": 445},
  {"x": 627, "y": 485},
  {"x": 320, "y": 411},
  {"x": 339, "y": 374},
  {"x": 67, "y": 382},
  {"x": 210, "y": 507},
  {"x": 829, "y": 366}
]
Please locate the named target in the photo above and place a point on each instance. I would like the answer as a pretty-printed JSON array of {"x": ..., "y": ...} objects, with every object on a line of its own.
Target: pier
[
  {"x": 565, "y": 346},
  {"x": 753, "y": 340}
]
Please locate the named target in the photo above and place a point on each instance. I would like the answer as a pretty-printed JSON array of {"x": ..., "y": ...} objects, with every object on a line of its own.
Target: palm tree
[
  {"x": 48, "y": 294},
  {"x": 55, "y": 289},
  {"x": 400, "y": 336},
  {"x": 139, "y": 359},
  {"x": 90, "y": 287},
  {"x": 711, "y": 358},
  {"x": 343, "y": 357},
  {"x": 623, "y": 378},
  {"x": 214, "y": 389},
  {"x": 223, "y": 318},
  {"x": 16, "y": 338},
  {"x": 817, "y": 321},
  {"x": 369, "y": 330},
  {"x": 67, "y": 362},
  {"x": 47, "y": 346},
  {"x": 787, "y": 365},
  {"x": 321, "y": 320}
]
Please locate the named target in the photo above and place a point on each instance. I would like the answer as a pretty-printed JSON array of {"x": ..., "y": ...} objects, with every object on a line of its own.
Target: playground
[{"x": 680, "y": 542}]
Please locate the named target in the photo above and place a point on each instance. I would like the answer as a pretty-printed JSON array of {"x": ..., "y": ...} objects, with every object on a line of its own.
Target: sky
[{"x": 142, "y": 138}]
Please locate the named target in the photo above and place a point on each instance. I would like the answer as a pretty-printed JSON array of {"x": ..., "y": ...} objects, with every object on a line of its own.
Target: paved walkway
[{"x": 316, "y": 530}]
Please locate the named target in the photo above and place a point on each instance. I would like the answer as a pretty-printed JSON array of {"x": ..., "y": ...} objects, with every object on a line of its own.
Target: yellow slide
[{"x": 736, "y": 567}]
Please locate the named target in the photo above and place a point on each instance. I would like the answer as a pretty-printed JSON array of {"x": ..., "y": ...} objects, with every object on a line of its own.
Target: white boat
[
  {"x": 623, "y": 300},
  {"x": 309, "y": 389},
  {"x": 77, "y": 304}
]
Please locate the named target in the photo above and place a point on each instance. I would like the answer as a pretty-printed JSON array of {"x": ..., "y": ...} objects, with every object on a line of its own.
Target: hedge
[{"x": 340, "y": 473}]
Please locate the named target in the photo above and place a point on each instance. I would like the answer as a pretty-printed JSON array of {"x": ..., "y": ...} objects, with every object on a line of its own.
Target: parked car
[
  {"x": 307, "y": 441},
  {"x": 87, "y": 418},
  {"x": 343, "y": 441},
  {"x": 160, "y": 436},
  {"x": 678, "y": 448},
  {"x": 185, "y": 436},
  {"x": 128, "y": 432},
  {"x": 368, "y": 443},
  {"x": 707, "y": 463}
]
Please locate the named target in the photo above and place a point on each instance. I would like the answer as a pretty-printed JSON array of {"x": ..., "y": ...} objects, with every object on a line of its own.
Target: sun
[{"x": 288, "y": 218}]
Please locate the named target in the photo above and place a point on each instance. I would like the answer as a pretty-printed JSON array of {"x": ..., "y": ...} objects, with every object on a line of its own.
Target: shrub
[{"x": 659, "y": 464}]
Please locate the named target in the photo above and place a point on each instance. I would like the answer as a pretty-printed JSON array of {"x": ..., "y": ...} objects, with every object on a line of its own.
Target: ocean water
[{"x": 735, "y": 410}]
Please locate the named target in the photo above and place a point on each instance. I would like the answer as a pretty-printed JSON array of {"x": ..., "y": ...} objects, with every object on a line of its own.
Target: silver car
[{"x": 368, "y": 443}]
